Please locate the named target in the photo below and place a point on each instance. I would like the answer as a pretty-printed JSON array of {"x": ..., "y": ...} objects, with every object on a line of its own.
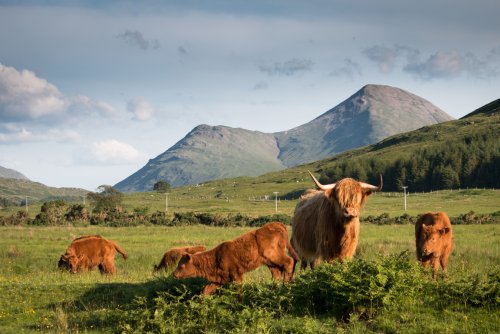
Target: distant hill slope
[
  {"x": 372, "y": 114},
  {"x": 456, "y": 154},
  {"x": 15, "y": 191},
  {"x": 489, "y": 109},
  {"x": 8, "y": 173},
  {"x": 213, "y": 152},
  {"x": 206, "y": 153}
]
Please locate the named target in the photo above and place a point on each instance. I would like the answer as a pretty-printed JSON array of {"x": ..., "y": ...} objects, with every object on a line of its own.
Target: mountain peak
[
  {"x": 371, "y": 114},
  {"x": 8, "y": 173}
]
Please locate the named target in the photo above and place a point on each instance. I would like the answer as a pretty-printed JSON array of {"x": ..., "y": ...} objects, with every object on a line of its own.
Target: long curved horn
[
  {"x": 321, "y": 186},
  {"x": 371, "y": 187}
]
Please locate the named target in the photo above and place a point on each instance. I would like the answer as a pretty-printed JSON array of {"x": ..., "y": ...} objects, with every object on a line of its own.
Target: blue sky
[{"x": 90, "y": 90}]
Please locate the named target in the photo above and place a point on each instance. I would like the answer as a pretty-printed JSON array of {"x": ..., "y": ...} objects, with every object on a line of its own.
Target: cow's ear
[
  {"x": 444, "y": 230},
  {"x": 329, "y": 193},
  {"x": 188, "y": 257}
]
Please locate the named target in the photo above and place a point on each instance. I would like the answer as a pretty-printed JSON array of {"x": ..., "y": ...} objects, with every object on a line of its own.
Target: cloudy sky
[{"x": 90, "y": 90}]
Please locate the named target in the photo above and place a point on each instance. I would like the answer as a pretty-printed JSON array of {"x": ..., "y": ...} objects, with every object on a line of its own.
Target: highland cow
[
  {"x": 434, "y": 241},
  {"x": 88, "y": 252},
  {"x": 325, "y": 225},
  {"x": 230, "y": 260},
  {"x": 172, "y": 256}
]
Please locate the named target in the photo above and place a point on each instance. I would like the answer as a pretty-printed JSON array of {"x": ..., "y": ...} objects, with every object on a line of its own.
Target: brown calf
[
  {"x": 230, "y": 260},
  {"x": 434, "y": 241},
  {"x": 172, "y": 256},
  {"x": 88, "y": 252}
]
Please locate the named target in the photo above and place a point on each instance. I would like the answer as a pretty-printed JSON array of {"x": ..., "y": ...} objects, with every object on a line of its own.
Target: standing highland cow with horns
[{"x": 325, "y": 224}]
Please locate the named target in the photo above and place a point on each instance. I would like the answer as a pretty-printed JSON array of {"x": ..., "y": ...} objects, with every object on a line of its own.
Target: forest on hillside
[{"x": 473, "y": 162}]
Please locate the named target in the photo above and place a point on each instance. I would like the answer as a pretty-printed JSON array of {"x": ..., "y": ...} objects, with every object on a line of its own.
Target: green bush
[
  {"x": 51, "y": 213},
  {"x": 357, "y": 293},
  {"x": 20, "y": 218}
]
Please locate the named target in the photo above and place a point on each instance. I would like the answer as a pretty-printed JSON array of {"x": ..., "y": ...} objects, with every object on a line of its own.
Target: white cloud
[
  {"x": 11, "y": 133},
  {"x": 34, "y": 110},
  {"x": 26, "y": 98},
  {"x": 113, "y": 151},
  {"x": 24, "y": 95},
  {"x": 141, "y": 109}
]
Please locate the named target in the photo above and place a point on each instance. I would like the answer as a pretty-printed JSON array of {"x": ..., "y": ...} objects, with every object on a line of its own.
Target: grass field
[
  {"x": 244, "y": 199},
  {"x": 36, "y": 296}
]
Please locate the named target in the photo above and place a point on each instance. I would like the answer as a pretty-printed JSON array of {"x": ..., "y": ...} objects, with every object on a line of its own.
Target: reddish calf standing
[{"x": 434, "y": 241}]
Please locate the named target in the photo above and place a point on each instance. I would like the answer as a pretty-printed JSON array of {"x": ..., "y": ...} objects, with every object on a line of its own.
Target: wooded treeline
[{"x": 473, "y": 162}]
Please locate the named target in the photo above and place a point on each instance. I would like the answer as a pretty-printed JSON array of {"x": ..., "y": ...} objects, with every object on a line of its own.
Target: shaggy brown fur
[
  {"x": 325, "y": 225},
  {"x": 434, "y": 241},
  {"x": 172, "y": 256},
  {"x": 230, "y": 260},
  {"x": 88, "y": 252}
]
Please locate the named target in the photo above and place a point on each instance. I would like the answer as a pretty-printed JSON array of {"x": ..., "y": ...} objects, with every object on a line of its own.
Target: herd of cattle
[{"x": 325, "y": 227}]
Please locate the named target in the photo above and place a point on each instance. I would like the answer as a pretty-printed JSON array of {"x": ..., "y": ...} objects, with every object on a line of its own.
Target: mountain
[
  {"x": 7, "y": 173},
  {"x": 373, "y": 113},
  {"x": 208, "y": 152}
]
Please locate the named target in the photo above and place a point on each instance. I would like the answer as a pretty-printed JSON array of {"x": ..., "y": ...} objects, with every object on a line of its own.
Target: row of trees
[{"x": 474, "y": 162}]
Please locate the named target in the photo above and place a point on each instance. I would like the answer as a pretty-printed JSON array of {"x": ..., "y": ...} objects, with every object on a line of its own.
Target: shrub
[
  {"x": 357, "y": 287},
  {"x": 260, "y": 221},
  {"x": 77, "y": 212},
  {"x": 20, "y": 218},
  {"x": 51, "y": 213}
]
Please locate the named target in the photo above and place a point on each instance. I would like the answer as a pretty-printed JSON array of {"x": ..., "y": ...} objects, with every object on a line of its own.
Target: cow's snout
[{"x": 351, "y": 212}]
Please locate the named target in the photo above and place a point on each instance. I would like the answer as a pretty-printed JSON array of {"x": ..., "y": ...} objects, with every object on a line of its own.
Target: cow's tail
[{"x": 120, "y": 250}]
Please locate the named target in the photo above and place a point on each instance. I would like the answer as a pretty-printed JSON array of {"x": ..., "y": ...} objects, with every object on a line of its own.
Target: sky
[{"x": 91, "y": 90}]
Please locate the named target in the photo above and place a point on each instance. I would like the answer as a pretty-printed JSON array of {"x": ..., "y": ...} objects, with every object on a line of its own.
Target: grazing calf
[
  {"x": 172, "y": 256},
  {"x": 434, "y": 241},
  {"x": 230, "y": 260},
  {"x": 88, "y": 252},
  {"x": 325, "y": 225}
]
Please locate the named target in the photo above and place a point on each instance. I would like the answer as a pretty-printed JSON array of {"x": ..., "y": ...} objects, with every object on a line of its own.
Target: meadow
[
  {"x": 36, "y": 296},
  {"x": 381, "y": 290}
]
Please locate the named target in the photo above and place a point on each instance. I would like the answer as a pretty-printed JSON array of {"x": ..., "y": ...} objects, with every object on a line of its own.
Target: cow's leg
[
  {"x": 435, "y": 267},
  {"x": 108, "y": 266},
  {"x": 314, "y": 263},
  {"x": 210, "y": 288},
  {"x": 276, "y": 272},
  {"x": 282, "y": 262},
  {"x": 444, "y": 265}
]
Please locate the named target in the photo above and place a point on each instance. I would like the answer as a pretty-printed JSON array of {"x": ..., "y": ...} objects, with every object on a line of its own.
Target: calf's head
[
  {"x": 68, "y": 262},
  {"x": 185, "y": 267},
  {"x": 347, "y": 195}
]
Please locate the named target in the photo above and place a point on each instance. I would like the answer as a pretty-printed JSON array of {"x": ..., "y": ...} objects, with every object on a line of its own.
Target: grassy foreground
[{"x": 382, "y": 290}]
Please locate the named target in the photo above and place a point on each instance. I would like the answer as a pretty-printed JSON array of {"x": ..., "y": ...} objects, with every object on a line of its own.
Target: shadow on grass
[{"x": 102, "y": 305}]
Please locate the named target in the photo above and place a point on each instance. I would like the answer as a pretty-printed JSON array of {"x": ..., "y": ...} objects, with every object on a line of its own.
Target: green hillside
[
  {"x": 15, "y": 192},
  {"x": 458, "y": 154}
]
